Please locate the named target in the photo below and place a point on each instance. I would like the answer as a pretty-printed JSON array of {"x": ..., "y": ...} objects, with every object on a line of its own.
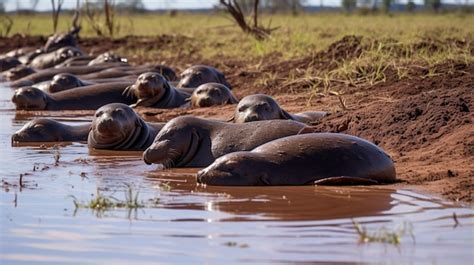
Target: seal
[
  {"x": 153, "y": 90},
  {"x": 7, "y": 63},
  {"x": 59, "y": 40},
  {"x": 79, "y": 98},
  {"x": 47, "y": 74},
  {"x": 50, "y": 59},
  {"x": 63, "y": 82},
  {"x": 189, "y": 141},
  {"x": 117, "y": 127},
  {"x": 18, "y": 72},
  {"x": 315, "y": 158},
  {"x": 49, "y": 130},
  {"x": 211, "y": 94},
  {"x": 107, "y": 57},
  {"x": 262, "y": 107},
  {"x": 197, "y": 75}
]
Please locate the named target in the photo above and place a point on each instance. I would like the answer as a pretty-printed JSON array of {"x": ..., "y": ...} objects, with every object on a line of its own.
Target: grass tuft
[{"x": 383, "y": 235}]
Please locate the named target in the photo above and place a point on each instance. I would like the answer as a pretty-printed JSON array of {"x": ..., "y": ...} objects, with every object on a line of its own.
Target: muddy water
[{"x": 184, "y": 222}]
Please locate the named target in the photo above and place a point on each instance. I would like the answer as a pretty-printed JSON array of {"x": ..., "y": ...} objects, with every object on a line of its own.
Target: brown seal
[
  {"x": 50, "y": 59},
  {"x": 63, "y": 82},
  {"x": 47, "y": 74},
  {"x": 260, "y": 107},
  {"x": 197, "y": 75},
  {"x": 117, "y": 127},
  {"x": 79, "y": 98},
  {"x": 315, "y": 158},
  {"x": 49, "y": 130},
  {"x": 211, "y": 94},
  {"x": 188, "y": 141},
  {"x": 153, "y": 90},
  {"x": 18, "y": 72}
]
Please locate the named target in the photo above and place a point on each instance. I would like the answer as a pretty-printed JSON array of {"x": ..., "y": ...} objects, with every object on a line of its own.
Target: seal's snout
[
  {"x": 205, "y": 102},
  {"x": 107, "y": 126},
  {"x": 16, "y": 137},
  {"x": 157, "y": 153},
  {"x": 252, "y": 117}
]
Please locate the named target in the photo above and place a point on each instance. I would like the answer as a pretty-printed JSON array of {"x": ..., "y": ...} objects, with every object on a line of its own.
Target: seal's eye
[
  {"x": 242, "y": 109},
  {"x": 98, "y": 114}
]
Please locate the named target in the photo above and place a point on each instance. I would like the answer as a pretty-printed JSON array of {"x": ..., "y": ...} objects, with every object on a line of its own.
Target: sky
[{"x": 44, "y": 5}]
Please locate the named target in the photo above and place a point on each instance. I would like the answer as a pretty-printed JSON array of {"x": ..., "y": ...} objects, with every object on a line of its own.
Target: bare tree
[
  {"x": 34, "y": 4},
  {"x": 257, "y": 31},
  {"x": 56, "y": 10},
  {"x": 93, "y": 14}
]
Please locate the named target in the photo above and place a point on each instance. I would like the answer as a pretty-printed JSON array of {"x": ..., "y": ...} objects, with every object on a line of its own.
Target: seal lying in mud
[
  {"x": 315, "y": 158},
  {"x": 49, "y": 130},
  {"x": 193, "y": 142},
  {"x": 197, "y": 75},
  {"x": 211, "y": 94},
  {"x": 47, "y": 74},
  {"x": 153, "y": 90},
  {"x": 62, "y": 82},
  {"x": 262, "y": 107},
  {"x": 79, "y": 98},
  {"x": 50, "y": 59},
  {"x": 117, "y": 127},
  {"x": 18, "y": 72}
]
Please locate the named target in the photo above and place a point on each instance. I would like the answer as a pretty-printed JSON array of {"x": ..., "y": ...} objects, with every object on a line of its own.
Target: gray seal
[
  {"x": 211, "y": 94},
  {"x": 197, "y": 75},
  {"x": 49, "y": 130},
  {"x": 117, "y": 127},
  {"x": 315, "y": 158},
  {"x": 50, "y": 59},
  {"x": 79, "y": 98},
  {"x": 153, "y": 90},
  {"x": 189, "y": 141},
  {"x": 260, "y": 107}
]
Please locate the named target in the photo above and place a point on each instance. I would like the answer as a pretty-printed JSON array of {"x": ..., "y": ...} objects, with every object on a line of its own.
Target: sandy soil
[{"x": 423, "y": 121}]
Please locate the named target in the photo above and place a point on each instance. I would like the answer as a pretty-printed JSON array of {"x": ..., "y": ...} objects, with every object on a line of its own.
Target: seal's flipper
[{"x": 345, "y": 181}]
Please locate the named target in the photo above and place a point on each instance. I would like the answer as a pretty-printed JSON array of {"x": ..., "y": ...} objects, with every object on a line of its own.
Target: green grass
[
  {"x": 383, "y": 235},
  {"x": 390, "y": 42}
]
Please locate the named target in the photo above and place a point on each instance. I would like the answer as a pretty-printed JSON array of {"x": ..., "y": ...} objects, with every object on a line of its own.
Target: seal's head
[
  {"x": 259, "y": 107},
  {"x": 64, "y": 53},
  {"x": 235, "y": 169},
  {"x": 39, "y": 130},
  {"x": 30, "y": 98},
  {"x": 197, "y": 75},
  {"x": 176, "y": 144},
  {"x": 107, "y": 57},
  {"x": 19, "y": 72},
  {"x": 113, "y": 124},
  {"x": 211, "y": 94},
  {"x": 62, "y": 82},
  {"x": 150, "y": 87},
  {"x": 59, "y": 40}
]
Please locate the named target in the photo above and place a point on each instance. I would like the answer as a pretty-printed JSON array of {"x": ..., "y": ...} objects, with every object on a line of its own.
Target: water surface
[{"x": 187, "y": 223}]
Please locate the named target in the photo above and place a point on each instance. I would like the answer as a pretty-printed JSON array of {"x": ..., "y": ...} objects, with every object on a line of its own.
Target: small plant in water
[
  {"x": 57, "y": 156},
  {"x": 383, "y": 235},
  {"x": 102, "y": 202}
]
